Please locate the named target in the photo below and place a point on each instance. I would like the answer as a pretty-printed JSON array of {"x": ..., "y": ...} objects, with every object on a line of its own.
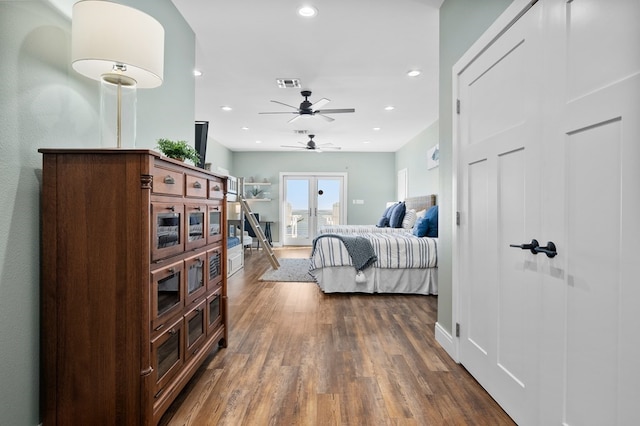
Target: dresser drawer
[
  {"x": 216, "y": 189},
  {"x": 196, "y": 187},
  {"x": 167, "y": 181}
]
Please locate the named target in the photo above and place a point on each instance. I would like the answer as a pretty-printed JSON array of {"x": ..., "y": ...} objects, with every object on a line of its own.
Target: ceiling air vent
[
  {"x": 300, "y": 132},
  {"x": 288, "y": 83}
]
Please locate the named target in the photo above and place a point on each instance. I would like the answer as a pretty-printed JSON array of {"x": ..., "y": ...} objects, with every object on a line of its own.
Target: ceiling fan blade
[
  {"x": 331, "y": 147},
  {"x": 334, "y": 111},
  {"x": 293, "y": 146},
  {"x": 324, "y": 117},
  {"x": 278, "y": 112},
  {"x": 282, "y": 103},
  {"x": 319, "y": 104},
  {"x": 294, "y": 118}
]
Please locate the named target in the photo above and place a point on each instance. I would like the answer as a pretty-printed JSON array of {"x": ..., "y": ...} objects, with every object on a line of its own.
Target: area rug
[{"x": 290, "y": 270}]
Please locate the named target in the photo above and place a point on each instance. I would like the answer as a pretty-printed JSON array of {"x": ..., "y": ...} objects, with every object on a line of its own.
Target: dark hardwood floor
[{"x": 296, "y": 356}]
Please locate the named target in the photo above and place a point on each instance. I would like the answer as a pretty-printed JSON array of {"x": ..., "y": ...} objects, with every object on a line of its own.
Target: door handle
[
  {"x": 549, "y": 249},
  {"x": 533, "y": 246}
]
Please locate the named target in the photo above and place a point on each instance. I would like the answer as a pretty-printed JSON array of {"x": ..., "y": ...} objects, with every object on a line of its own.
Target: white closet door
[
  {"x": 554, "y": 340},
  {"x": 499, "y": 199},
  {"x": 592, "y": 290}
]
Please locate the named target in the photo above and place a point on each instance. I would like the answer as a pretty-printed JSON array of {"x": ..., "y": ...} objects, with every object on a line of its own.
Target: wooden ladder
[{"x": 255, "y": 225}]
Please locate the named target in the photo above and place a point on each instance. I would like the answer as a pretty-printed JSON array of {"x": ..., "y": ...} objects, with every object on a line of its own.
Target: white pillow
[
  {"x": 420, "y": 213},
  {"x": 409, "y": 220}
]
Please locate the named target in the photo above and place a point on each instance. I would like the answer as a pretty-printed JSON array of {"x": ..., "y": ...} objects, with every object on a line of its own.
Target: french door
[{"x": 308, "y": 202}]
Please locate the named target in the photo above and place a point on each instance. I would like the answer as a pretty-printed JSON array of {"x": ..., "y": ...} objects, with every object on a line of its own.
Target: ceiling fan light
[{"x": 307, "y": 11}]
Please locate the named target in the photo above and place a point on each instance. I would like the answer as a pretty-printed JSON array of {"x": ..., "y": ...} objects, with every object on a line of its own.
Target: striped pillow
[{"x": 409, "y": 220}]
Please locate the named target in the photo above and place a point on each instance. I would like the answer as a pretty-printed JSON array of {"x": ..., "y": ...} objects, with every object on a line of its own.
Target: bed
[{"x": 404, "y": 263}]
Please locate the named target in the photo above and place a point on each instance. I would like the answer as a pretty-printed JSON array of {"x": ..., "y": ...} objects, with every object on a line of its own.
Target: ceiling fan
[
  {"x": 312, "y": 146},
  {"x": 308, "y": 109}
]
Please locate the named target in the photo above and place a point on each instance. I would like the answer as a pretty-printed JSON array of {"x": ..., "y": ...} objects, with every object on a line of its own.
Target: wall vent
[{"x": 288, "y": 83}]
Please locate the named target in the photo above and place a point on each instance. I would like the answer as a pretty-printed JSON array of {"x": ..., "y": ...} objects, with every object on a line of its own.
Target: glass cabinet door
[
  {"x": 167, "y": 293},
  {"x": 214, "y": 261},
  {"x": 214, "y": 311},
  {"x": 195, "y": 217},
  {"x": 167, "y": 355},
  {"x": 195, "y": 277},
  {"x": 215, "y": 224},
  {"x": 166, "y": 230},
  {"x": 195, "y": 329}
]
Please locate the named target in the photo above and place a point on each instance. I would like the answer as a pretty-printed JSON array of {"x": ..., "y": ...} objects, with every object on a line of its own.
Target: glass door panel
[
  {"x": 195, "y": 329},
  {"x": 215, "y": 224},
  {"x": 196, "y": 236},
  {"x": 328, "y": 199},
  {"x": 167, "y": 293},
  {"x": 297, "y": 211},
  {"x": 195, "y": 277},
  {"x": 166, "y": 230}
]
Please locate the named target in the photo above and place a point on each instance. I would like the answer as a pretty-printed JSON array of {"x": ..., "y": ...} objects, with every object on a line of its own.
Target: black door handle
[
  {"x": 533, "y": 245},
  {"x": 549, "y": 249}
]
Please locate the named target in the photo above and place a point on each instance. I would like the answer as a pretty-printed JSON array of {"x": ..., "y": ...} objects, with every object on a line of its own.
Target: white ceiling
[{"x": 354, "y": 52}]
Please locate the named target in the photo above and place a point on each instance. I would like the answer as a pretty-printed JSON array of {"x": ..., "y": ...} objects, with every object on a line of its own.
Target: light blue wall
[
  {"x": 44, "y": 103},
  {"x": 413, "y": 157},
  {"x": 371, "y": 177},
  {"x": 461, "y": 24}
]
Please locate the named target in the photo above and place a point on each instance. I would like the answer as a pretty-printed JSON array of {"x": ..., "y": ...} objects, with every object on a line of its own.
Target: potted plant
[
  {"x": 178, "y": 150},
  {"x": 255, "y": 192}
]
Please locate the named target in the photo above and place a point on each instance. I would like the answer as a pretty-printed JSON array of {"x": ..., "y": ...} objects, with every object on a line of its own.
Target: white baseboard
[{"x": 445, "y": 339}]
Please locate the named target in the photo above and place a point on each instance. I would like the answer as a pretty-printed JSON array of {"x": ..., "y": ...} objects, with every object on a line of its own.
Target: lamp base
[{"x": 118, "y": 98}]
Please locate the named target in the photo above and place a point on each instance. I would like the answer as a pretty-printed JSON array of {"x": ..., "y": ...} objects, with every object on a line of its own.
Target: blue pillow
[
  {"x": 420, "y": 227},
  {"x": 427, "y": 225},
  {"x": 395, "y": 221},
  {"x": 432, "y": 217},
  {"x": 383, "y": 222},
  {"x": 389, "y": 211}
]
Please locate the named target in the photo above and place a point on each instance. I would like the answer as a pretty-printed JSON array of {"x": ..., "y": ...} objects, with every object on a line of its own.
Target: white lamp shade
[{"x": 104, "y": 34}]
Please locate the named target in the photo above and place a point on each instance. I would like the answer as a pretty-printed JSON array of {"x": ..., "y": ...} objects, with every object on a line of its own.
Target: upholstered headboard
[{"x": 422, "y": 202}]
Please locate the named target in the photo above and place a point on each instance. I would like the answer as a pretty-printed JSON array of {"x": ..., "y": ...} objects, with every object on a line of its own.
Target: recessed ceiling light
[
  {"x": 226, "y": 108},
  {"x": 258, "y": 141},
  {"x": 389, "y": 108},
  {"x": 245, "y": 128},
  {"x": 365, "y": 142},
  {"x": 376, "y": 128},
  {"x": 413, "y": 73},
  {"x": 197, "y": 73},
  {"x": 307, "y": 11}
]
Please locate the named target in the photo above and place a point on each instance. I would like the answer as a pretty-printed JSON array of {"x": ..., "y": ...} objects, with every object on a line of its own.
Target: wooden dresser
[{"x": 133, "y": 291}]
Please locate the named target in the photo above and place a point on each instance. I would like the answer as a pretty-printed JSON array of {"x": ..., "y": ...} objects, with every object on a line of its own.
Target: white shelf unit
[{"x": 247, "y": 185}]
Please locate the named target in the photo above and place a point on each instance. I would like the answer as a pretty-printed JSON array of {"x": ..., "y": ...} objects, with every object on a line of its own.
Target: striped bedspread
[
  {"x": 394, "y": 251},
  {"x": 358, "y": 229}
]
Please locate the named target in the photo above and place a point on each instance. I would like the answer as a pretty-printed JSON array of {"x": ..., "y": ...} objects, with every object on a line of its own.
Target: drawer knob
[
  {"x": 169, "y": 180},
  {"x": 216, "y": 188},
  {"x": 197, "y": 185}
]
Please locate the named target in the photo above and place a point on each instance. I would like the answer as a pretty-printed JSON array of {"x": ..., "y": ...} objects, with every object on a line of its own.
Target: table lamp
[{"x": 122, "y": 48}]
